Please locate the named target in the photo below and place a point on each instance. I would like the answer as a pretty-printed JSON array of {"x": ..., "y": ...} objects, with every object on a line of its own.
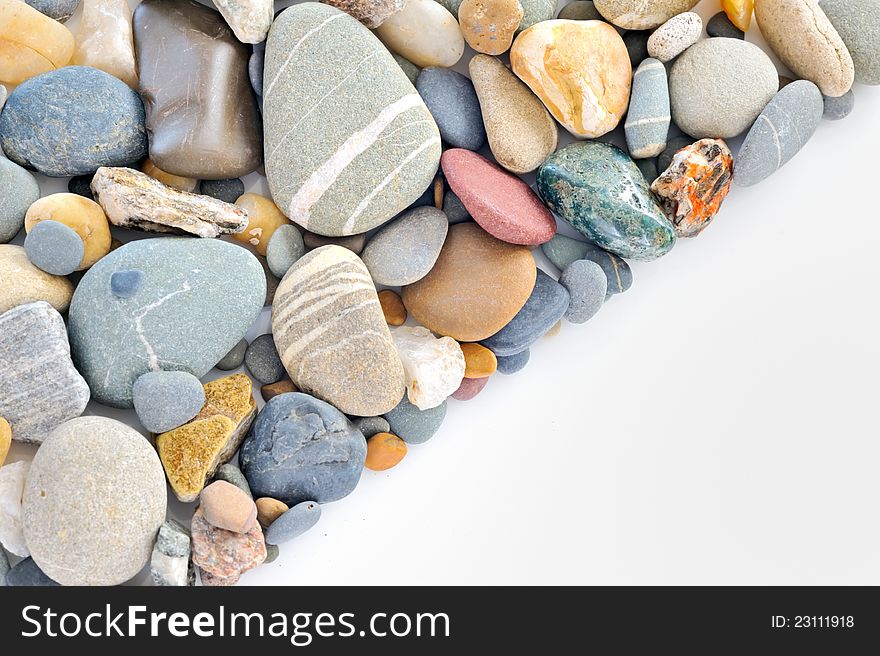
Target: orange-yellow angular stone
[
  {"x": 384, "y": 450},
  {"x": 30, "y": 43},
  {"x": 739, "y": 12},
  {"x": 479, "y": 362}
]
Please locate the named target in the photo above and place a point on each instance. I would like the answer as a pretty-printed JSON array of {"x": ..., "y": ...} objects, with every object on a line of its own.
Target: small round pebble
[
  {"x": 125, "y": 284},
  {"x": 636, "y": 43},
  {"x": 227, "y": 506},
  {"x": 294, "y": 522},
  {"x": 675, "y": 36},
  {"x": 232, "y": 474},
  {"x": 720, "y": 25},
  {"x": 81, "y": 185},
  {"x": 263, "y": 361},
  {"x": 580, "y": 10},
  {"x": 469, "y": 388},
  {"x": 405, "y": 250},
  {"x": 384, "y": 451},
  {"x": 587, "y": 284},
  {"x": 28, "y": 574},
  {"x": 272, "y": 553},
  {"x": 226, "y": 190},
  {"x": 453, "y": 103},
  {"x": 412, "y": 425},
  {"x": 54, "y": 248},
  {"x": 269, "y": 509},
  {"x": 392, "y": 307},
  {"x": 836, "y": 109},
  {"x": 369, "y": 426},
  {"x": 511, "y": 364},
  {"x": 479, "y": 362},
  {"x": 164, "y": 400},
  {"x": 285, "y": 248},
  {"x": 235, "y": 357}
]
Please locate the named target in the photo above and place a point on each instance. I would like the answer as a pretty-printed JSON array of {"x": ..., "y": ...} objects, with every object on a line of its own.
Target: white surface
[{"x": 714, "y": 425}]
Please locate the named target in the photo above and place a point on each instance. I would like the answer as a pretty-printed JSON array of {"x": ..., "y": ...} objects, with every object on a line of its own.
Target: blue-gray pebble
[
  {"x": 720, "y": 25},
  {"x": 285, "y": 248},
  {"x": 28, "y": 573},
  {"x": 836, "y": 109},
  {"x": 164, "y": 400},
  {"x": 454, "y": 209},
  {"x": 562, "y": 251},
  {"x": 545, "y": 306},
  {"x": 370, "y": 426},
  {"x": 20, "y": 191},
  {"x": 255, "y": 67},
  {"x": 647, "y": 122},
  {"x": 263, "y": 361},
  {"x": 510, "y": 364},
  {"x": 405, "y": 250},
  {"x": 412, "y": 425},
  {"x": 782, "y": 129},
  {"x": 453, "y": 103},
  {"x": 54, "y": 247},
  {"x": 235, "y": 358},
  {"x": 97, "y": 120},
  {"x": 300, "y": 449},
  {"x": 587, "y": 285},
  {"x": 60, "y": 10},
  {"x": 232, "y": 474},
  {"x": 294, "y": 522},
  {"x": 125, "y": 284},
  {"x": 226, "y": 190}
]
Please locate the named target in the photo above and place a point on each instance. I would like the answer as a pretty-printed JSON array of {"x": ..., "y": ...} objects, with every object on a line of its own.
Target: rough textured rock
[
  {"x": 39, "y": 386},
  {"x": 302, "y": 449},
  {"x": 349, "y": 142},
  {"x": 112, "y": 476},
  {"x": 32, "y": 43},
  {"x": 639, "y": 14},
  {"x": 579, "y": 69},
  {"x": 405, "y": 34},
  {"x": 250, "y": 20},
  {"x": 675, "y": 36},
  {"x": 96, "y": 121},
  {"x": 194, "y": 452},
  {"x": 104, "y": 40},
  {"x": 294, "y": 522},
  {"x": 692, "y": 189},
  {"x": 171, "y": 562},
  {"x": 476, "y": 287},
  {"x": 858, "y": 24},
  {"x": 372, "y": 13},
  {"x": 415, "y": 426},
  {"x": 201, "y": 114},
  {"x": 520, "y": 130},
  {"x": 198, "y": 298},
  {"x": 23, "y": 283},
  {"x": 648, "y": 118},
  {"x": 20, "y": 190},
  {"x": 134, "y": 200},
  {"x": 223, "y": 555},
  {"x": 433, "y": 366},
  {"x": 332, "y": 336},
  {"x": 12, "y": 480}
]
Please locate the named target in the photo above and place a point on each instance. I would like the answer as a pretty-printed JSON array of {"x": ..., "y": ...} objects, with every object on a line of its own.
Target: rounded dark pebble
[
  {"x": 263, "y": 361},
  {"x": 226, "y": 190}
]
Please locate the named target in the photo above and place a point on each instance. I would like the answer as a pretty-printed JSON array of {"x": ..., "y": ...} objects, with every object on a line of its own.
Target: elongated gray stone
[
  {"x": 39, "y": 386},
  {"x": 331, "y": 334},
  {"x": 647, "y": 122},
  {"x": 201, "y": 114},
  {"x": 782, "y": 129},
  {"x": 349, "y": 141},
  {"x": 132, "y": 199}
]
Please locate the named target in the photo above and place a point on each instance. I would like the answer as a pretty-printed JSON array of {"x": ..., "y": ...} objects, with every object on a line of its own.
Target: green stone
[
  {"x": 412, "y": 71},
  {"x": 600, "y": 191}
]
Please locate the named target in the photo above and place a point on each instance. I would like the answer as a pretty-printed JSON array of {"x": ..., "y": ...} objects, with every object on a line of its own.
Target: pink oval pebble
[
  {"x": 500, "y": 202},
  {"x": 469, "y": 388}
]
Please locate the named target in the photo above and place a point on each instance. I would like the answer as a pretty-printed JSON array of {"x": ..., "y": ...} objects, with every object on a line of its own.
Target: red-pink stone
[
  {"x": 500, "y": 202},
  {"x": 222, "y": 554},
  {"x": 469, "y": 388}
]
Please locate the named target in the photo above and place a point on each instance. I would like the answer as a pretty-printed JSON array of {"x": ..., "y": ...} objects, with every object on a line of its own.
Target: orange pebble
[
  {"x": 392, "y": 307},
  {"x": 384, "y": 450},
  {"x": 739, "y": 12},
  {"x": 479, "y": 362},
  {"x": 438, "y": 192},
  {"x": 283, "y": 386},
  {"x": 269, "y": 509},
  {"x": 5, "y": 439}
]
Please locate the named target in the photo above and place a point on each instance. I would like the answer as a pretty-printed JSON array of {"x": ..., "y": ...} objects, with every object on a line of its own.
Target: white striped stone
[{"x": 647, "y": 122}]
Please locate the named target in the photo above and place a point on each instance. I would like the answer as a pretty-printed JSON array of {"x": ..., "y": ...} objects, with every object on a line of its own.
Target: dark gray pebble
[
  {"x": 672, "y": 146},
  {"x": 232, "y": 474},
  {"x": 125, "y": 284},
  {"x": 369, "y": 426},
  {"x": 637, "y": 46},
  {"x": 226, "y": 190},
  {"x": 60, "y": 10},
  {"x": 412, "y": 425},
  {"x": 720, "y": 25},
  {"x": 453, "y": 103},
  {"x": 28, "y": 573},
  {"x": 81, "y": 185},
  {"x": 512, "y": 363},
  {"x": 235, "y": 357},
  {"x": 836, "y": 109},
  {"x": 263, "y": 361}
]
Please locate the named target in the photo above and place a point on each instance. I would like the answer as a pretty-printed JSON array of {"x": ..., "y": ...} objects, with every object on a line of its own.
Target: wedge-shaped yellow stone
[
  {"x": 739, "y": 12},
  {"x": 30, "y": 43}
]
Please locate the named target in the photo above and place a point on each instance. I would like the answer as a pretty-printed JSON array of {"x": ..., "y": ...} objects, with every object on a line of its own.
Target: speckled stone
[
  {"x": 24, "y": 283},
  {"x": 783, "y": 128},
  {"x": 250, "y": 20},
  {"x": 546, "y": 305},
  {"x": 675, "y": 36},
  {"x": 285, "y": 247},
  {"x": 54, "y": 248},
  {"x": 488, "y": 26},
  {"x": 511, "y": 364},
  {"x": 718, "y": 87},
  {"x": 580, "y": 10},
  {"x": 636, "y": 43},
  {"x": 226, "y": 190},
  {"x": 296, "y": 521},
  {"x": 406, "y": 249},
  {"x": 60, "y": 10},
  {"x": 20, "y": 190},
  {"x": 198, "y": 299},
  {"x": 858, "y": 24},
  {"x": 235, "y": 358},
  {"x": 587, "y": 285},
  {"x": 641, "y": 15},
  {"x": 28, "y": 573},
  {"x": 839, "y": 108},
  {"x": 370, "y": 426},
  {"x": 262, "y": 360},
  {"x": 113, "y": 477},
  {"x": 223, "y": 556},
  {"x": 409, "y": 69},
  {"x": 453, "y": 103},
  {"x": 97, "y": 121},
  {"x": 720, "y": 25},
  {"x": 412, "y": 425},
  {"x": 562, "y": 251},
  {"x": 535, "y": 11},
  {"x": 164, "y": 400},
  {"x": 226, "y": 506},
  {"x": 171, "y": 562},
  {"x": 302, "y": 449},
  {"x": 610, "y": 204},
  {"x": 41, "y": 387},
  {"x": 647, "y": 122}
]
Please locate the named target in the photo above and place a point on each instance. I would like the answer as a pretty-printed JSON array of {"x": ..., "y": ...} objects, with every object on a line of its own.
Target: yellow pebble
[
  {"x": 30, "y": 43},
  {"x": 739, "y": 12},
  {"x": 175, "y": 181},
  {"x": 264, "y": 218},
  {"x": 479, "y": 362},
  {"x": 384, "y": 450},
  {"x": 5, "y": 439},
  {"x": 269, "y": 509},
  {"x": 85, "y": 217},
  {"x": 392, "y": 307}
]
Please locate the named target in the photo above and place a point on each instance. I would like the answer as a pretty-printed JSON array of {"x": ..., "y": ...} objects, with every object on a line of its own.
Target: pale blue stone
[{"x": 647, "y": 122}]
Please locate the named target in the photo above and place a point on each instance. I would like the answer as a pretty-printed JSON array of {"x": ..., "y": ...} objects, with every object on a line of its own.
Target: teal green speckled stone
[{"x": 600, "y": 191}]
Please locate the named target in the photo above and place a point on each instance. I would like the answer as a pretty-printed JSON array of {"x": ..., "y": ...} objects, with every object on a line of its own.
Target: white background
[{"x": 717, "y": 424}]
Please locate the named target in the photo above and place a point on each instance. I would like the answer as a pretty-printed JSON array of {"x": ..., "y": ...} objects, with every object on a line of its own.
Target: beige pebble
[
  {"x": 21, "y": 282},
  {"x": 174, "y": 181},
  {"x": 425, "y": 33},
  {"x": 269, "y": 509},
  {"x": 229, "y": 507}
]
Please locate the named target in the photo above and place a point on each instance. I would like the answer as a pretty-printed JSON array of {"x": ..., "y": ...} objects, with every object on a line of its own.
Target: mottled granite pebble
[
  {"x": 171, "y": 563},
  {"x": 223, "y": 556}
]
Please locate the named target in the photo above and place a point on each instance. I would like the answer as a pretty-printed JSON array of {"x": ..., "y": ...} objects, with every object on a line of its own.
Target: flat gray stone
[
  {"x": 164, "y": 400},
  {"x": 54, "y": 247},
  {"x": 369, "y": 426},
  {"x": 294, "y": 522},
  {"x": 261, "y": 359},
  {"x": 836, "y": 109},
  {"x": 406, "y": 249},
  {"x": 171, "y": 560},
  {"x": 235, "y": 358},
  {"x": 453, "y": 103},
  {"x": 28, "y": 574},
  {"x": 511, "y": 364}
]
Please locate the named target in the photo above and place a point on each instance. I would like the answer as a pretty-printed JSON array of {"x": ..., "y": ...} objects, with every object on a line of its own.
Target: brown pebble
[
  {"x": 384, "y": 450},
  {"x": 438, "y": 192},
  {"x": 229, "y": 507},
  {"x": 269, "y": 509},
  {"x": 392, "y": 307},
  {"x": 5, "y": 439},
  {"x": 283, "y": 386},
  {"x": 479, "y": 362}
]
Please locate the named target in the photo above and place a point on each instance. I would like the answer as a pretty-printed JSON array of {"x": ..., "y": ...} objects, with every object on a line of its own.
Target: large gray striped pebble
[
  {"x": 782, "y": 129},
  {"x": 349, "y": 142},
  {"x": 647, "y": 122},
  {"x": 332, "y": 336}
]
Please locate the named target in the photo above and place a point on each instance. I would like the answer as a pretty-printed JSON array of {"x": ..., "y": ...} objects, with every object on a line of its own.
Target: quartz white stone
[
  {"x": 433, "y": 367},
  {"x": 12, "y": 479},
  {"x": 104, "y": 40},
  {"x": 250, "y": 20}
]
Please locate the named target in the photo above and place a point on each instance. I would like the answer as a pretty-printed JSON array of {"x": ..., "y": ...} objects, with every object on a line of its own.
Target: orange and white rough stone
[{"x": 579, "y": 69}]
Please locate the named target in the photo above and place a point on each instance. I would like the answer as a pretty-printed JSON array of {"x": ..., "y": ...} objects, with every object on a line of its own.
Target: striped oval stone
[
  {"x": 349, "y": 142},
  {"x": 647, "y": 121},
  {"x": 332, "y": 336}
]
